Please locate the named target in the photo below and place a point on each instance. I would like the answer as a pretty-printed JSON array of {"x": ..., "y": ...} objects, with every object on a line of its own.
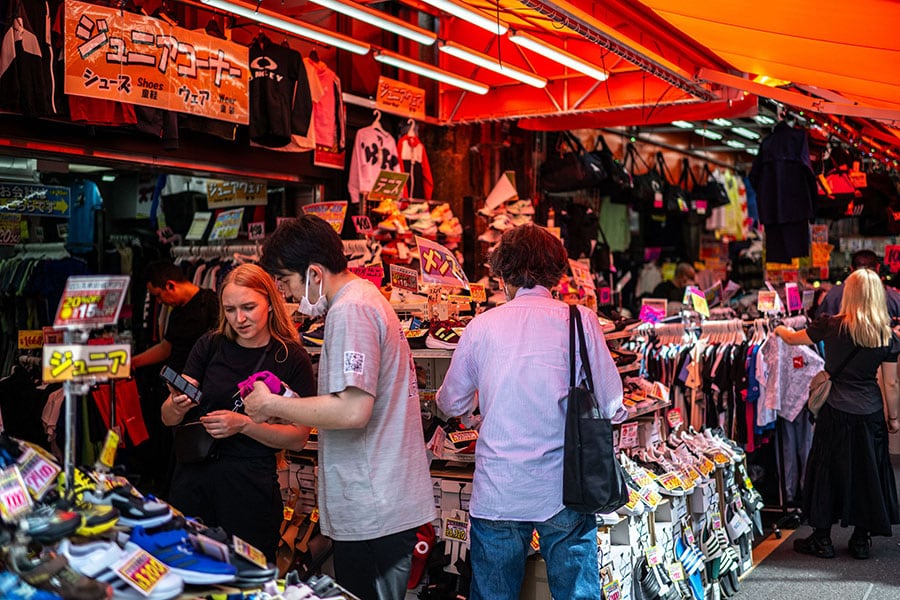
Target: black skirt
[{"x": 849, "y": 478}]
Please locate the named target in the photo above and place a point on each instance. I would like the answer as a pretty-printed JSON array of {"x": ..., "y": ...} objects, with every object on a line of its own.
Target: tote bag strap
[{"x": 576, "y": 329}]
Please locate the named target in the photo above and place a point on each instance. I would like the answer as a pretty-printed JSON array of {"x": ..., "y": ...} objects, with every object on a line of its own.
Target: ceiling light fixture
[
  {"x": 380, "y": 19},
  {"x": 471, "y": 15},
  {"x": 719, "y": 122},
  {"x": 764, "y": 120},
  {"x": 492, "y": 64},
  {"x": 745, "y": 133},
  {"x": 712, "y": 135},
  {"x": 753, "y": 151},
  {"x": 557, "y": 55},
  {"x": 683, "y": 124},
  {"x": 276, "y": 21},
  {"x": 735, "y": 144},
  {"x": 432, "y": 72}
]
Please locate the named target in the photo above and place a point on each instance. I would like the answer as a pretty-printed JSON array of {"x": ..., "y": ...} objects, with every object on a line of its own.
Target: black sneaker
[
  {"x": 859, "y": 546},
  {"x": 815, "y": 547}
]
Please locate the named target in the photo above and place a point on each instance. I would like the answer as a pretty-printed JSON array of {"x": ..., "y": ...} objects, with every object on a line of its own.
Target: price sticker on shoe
[
  {"x": 251, "y": 553},
  {"x": 38, "y": 473},
  {"x": 654, "y": 555},
  {"x": 141, "y": 571},
  {"x": 456, "y": 529},
  {"x": 650, "y": 496},
  {"x": 628, "y": 438},
  {"x": 706, "y": 466},
  {"x": 671, "y": 481},
  {"x": 15, "y": 500}
]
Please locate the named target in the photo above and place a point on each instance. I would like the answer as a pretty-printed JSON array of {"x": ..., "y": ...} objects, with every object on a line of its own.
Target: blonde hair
[
  {"x": 279, "y": 323},
  {"x": 864, "y": 310}
]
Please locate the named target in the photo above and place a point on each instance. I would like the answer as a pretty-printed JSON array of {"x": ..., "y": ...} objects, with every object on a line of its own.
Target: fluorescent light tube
[
  {"x": 276, "y": 21},
  {"x": 380, "y": 19},
  {"x": 735, "y": 144},
  {"x": 492, "y": 64},
  {"x": 746, "y": 133},
  {"x": 557, "y": 55},
  {"x": 426, "y": 70},
  {"x": 683, "y": 124},
  {"x": 713, "y": 135},
  {"x": 719, "y": 122},
  {"x": 470, "y": 15}
]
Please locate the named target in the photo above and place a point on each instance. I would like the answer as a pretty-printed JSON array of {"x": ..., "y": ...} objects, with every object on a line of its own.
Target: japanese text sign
[
  {"x": 77, "y": 362},
  {"x": 15, "y": 500},
  {"x": 114, "y": 55},
  {"x": 331, "y": 212},
  {"x": 141, "y": 570},
  {"x": 396, "y": 96},
  {"x": 581, "y": 273},
  {"x": 90, "y": 301},
  {"x": 37, "y": 200},
  {"x": 792, "y": 294},
  {"x": 225, "y": 194},
  {"x": 227, "y": 225},
  {"x": 439, "y": 265},
  {"x": 892, "y": 257},
  {"x": 388, "y": 186},
  {"x": 363, "y": 224},
  {"x": 404, "y": 279},
  {"x": 30, "y": 339},
  {"x": 373, "y": 273}
]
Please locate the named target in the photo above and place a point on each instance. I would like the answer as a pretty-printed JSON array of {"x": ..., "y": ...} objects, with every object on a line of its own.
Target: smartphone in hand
[{"x": 181, "y": 384}]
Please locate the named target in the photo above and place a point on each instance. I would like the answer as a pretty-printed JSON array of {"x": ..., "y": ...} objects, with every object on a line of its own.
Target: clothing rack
[
  {"x": 42, "y": 250},
  {"x": 244, "y": 251}
]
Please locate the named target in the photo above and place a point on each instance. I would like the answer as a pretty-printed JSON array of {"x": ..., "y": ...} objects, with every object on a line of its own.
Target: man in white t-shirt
[{"x": 374, "y": 485}]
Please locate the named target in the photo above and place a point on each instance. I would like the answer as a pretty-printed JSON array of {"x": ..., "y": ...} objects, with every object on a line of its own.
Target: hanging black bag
[
  {"x": 593, "y": 481},
  {"x": 570, "y": 167},
  {"x": 617, "y": 176},
  {"x": 675, "y": 198},
  {"x": 648, "y": 187}
]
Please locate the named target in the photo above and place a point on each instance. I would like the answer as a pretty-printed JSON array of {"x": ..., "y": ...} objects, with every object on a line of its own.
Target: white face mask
[{"x": 309, "y": 309}]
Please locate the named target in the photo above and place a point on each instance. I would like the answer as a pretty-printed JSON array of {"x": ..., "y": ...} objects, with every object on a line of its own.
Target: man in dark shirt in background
[
  {"x": 864, "y": 259},
  {"x": 194, "y": 312}
]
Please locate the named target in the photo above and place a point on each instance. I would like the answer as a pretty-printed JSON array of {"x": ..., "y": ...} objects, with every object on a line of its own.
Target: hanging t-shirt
[
  {"x": 415, "y": 162},
  {"x": 790, "y": 369},
  {"x": 280, "y": 100},
  {"x": 373, "y": 151},
  {"x": 84, "y": 201},
  {"x": 329, "y": 115},
  {"x": 303, "y": 131}
]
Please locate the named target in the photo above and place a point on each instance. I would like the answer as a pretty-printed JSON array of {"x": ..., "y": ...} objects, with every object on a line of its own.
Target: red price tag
[
  {"x": 39, "y": 474},
  {"x": 91, "y": 301}
]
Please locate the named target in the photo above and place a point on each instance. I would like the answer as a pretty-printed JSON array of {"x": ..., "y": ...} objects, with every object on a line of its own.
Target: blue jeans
[{"x": 568, "y": 546}]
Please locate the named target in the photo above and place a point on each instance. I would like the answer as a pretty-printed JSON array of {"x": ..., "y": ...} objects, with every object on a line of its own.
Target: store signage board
[
  {"x": 806, "y": 299},
  {"x": 15, "y": 500},
  {"x": 404, "y": 279},
  {"x": 478, "y": 292},
  {"x": 91, "y": 301},
  {"x": 140, "y": 570},
  {"x": 439, "y": 265},
  {"x": 77, "y": 362},
  {"x": 767, "y": 301},
  {"x": 653, "y": 310},
  {"x": 332, "y": 212},
  {"x": 228, "y": 194},
  {"x": 714, "y": 294},
  {"x": 373, "y": 273},
  {"x": 892, "y": 257},
  {"x": 125, "y": 57},
  {"x": 256, "y": 231},
  {"x": 198, "y": 226},
  {"x": 227, "y": 225},
  {"x": 581, "y": 273},
  {"x": 792, "y": 295},
  {"x": 35, "y": 200},
  {"x": 362, "y": 224},
  {"x": 398, "y": 97},
  {"x": 10, "y": 230},
  {"x": 388, "y": 186},
  {"x": 818, "y": 234},
  {"x": 30, "y": 339}
]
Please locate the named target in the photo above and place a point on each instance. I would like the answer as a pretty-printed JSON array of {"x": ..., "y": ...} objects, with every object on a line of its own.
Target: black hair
[
  {"x": 159, "y": 272},
  {"x": 528, "y": 256},
  {"x": 865, "y": 259},
  {"x": 297, "y": 243}
]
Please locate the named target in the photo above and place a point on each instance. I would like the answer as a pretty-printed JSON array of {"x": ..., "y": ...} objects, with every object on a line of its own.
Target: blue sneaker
[
  {"x": 13, "y": 588},
  {"x": 174, "y": 548}
]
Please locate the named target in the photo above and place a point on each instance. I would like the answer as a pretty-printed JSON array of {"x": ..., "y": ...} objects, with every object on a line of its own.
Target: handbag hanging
[
  {"x": 593, "y": 481},
  {"x": 820, "y": 385},
  {"x": 570, "y": 167}
]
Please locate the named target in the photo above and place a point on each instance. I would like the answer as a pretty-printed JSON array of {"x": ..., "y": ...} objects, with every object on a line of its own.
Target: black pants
[
  {"x": 375, "y": 569},
  {"x": 241, "y": 495}
]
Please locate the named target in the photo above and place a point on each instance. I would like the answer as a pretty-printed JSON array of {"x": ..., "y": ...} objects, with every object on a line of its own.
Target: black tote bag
[
  {"x": 570, "y": 167},
  {"x": 593, "y": 481}
]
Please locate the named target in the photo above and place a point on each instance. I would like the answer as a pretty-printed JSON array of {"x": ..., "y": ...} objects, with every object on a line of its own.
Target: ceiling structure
[{"x": 664, "y": 60}]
